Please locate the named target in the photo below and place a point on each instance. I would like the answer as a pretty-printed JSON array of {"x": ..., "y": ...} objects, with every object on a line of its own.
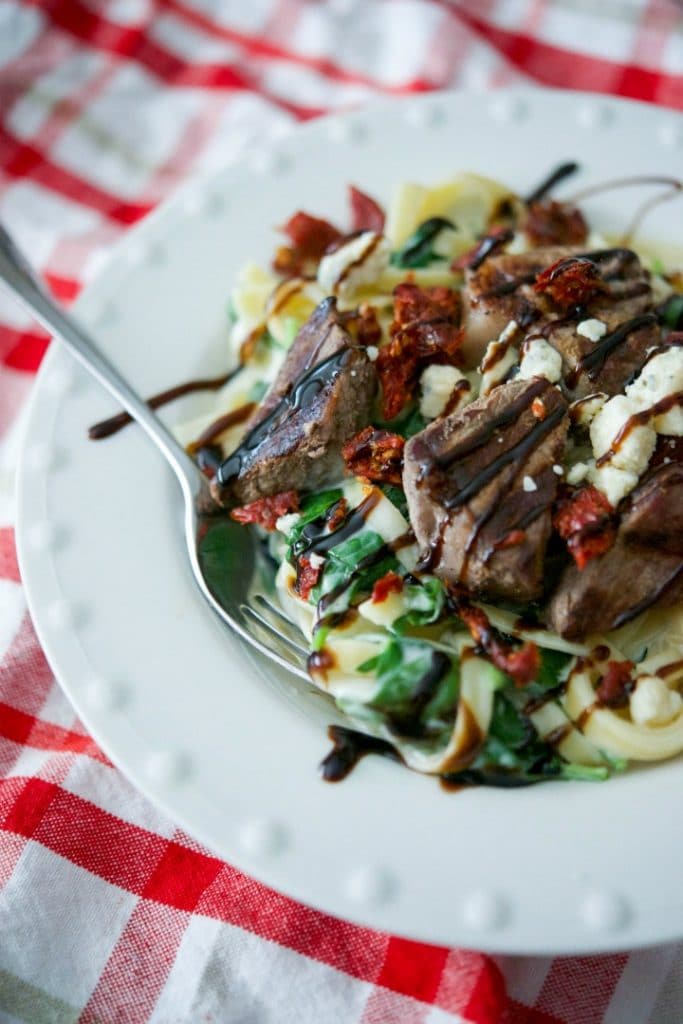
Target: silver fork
[{"x": 229, "y": 567}]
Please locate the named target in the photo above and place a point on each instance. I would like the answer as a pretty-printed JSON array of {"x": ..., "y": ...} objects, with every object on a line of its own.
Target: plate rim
[{"x": 262, "y": 870}]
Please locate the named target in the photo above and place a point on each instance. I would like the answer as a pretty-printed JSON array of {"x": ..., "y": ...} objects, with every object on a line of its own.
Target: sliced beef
[
  {"x": 608, "y": 364},
  {"x": 480, "y": 484},
  {"x": 613, "y": 589},
  {"x": 502, "y": 289},
  {"x": 322, "y": 396},
  {"x": 643, "y": 568},
  {"x": 654, "y": 515},
  {"x": 321, "y": 336}
]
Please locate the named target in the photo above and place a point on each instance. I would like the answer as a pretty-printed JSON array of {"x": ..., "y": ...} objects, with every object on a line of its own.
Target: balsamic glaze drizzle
[
  {"x": 301, "y": 394},
  {"x": 554, "y": 178}
]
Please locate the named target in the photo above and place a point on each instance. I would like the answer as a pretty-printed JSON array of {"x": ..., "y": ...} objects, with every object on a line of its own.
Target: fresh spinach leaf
[
  {"x": 396, "y": 496},
  {"x": 418, "y": 251},
  {"x": 426, "y": 601}
]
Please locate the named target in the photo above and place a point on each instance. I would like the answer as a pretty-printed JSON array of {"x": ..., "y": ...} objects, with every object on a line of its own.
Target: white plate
[{"x": 230, "y": 752}]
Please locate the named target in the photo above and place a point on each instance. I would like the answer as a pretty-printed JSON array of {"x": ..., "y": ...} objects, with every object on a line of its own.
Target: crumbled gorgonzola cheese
[
  {"x": 540, "y": 359},
  {"x": 592, "y": 329},
  {"x": 437, "y": 384},
  {"x": 358, "y": 263},
  {"x": 661, "y": 376}
]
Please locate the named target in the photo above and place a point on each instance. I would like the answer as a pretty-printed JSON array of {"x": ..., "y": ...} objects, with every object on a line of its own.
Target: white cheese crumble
[
  {"x": 558, "y": 470},
  {"x": 372, "y": 352},
  {"x": 577, "y": 473},
  {"x": 437, "y": 384},
  {"x": 316, "y": 560},
  {"x": 285, "y": 524},
  {"x": 540, "y": 359},
  {"x": 614, "y": 483},
  {"x": 653, "y": 703},
  {"x": 583, "y": 410},
  {"x": 661, "y": 376},
  {"x": 529, "y": 484},
  {"x": 592, "y": 329},
  {"x": 358, "y": 263},
  {"x": 500, "y": 356},
  {"x": 634, "y": 450}
]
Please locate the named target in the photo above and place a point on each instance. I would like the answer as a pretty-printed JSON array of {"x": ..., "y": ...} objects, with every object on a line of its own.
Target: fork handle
[{"x": 20, "y": 279}]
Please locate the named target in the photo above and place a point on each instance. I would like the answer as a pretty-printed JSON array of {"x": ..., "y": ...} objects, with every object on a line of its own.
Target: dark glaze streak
[
  {"x": 223, "y": 423},
  {"x": 302, "y": 394},
  {"x": 484, "y": 435},
  {"x": 639, "y": 419},
  {"x": 488, "y": 245},
  {"x": 328, "y": 599},
  {"x": 553, "y": 179},
  {"x": 349, "y": 746},
  {"x": 559, "y": 734},
  {"x": 593, "y": 362},
  {"x": 517, "y": 453},
  {"x": 408, "y": 722},
  {"x": 358, "y": 262},
  {"x": 315, "y": 539},
  {"x": 105, "y": 428}
]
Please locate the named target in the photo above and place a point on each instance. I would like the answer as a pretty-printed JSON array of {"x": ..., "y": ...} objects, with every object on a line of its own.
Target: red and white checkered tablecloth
[{"x": 107, "y": 912}]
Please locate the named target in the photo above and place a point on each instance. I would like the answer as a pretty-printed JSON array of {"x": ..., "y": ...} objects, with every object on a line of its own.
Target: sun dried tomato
[
  {"x": 307, "y": 575},
  {"x": 363, "y": 325},
  {"x": 412, "y": 303},
  {"x": 366, "y": 213},
  {"x": 425, "y": 330},
  {"x": 390, "y": 583},
  {"x": 584, "y": 520},
  {"x": 522, "y": 663},
  {"x": 266, "y": 511},
  {"x": 571, "y": 282},
  {"x": 553, "y": 223},
  {"x": 337, "y": 514},
  {"x": 616, "y": 684},
  {"x": 376, "y": 455},
  {"x": 309, "y": 237}
]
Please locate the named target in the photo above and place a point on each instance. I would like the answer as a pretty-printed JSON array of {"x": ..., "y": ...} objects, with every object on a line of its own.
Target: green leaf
[
  {"x": 396, "y": 496},
  {"x": 313, "y": 508},
  {"x": 416, "y": 684},
  {"x": 426, "y": 602},
  {"x": 672, "y": 312},
  {"x": 418, "y": 250},
  {"x": 554, "y": 666},
  {"x": 509, "y": 726},
  {"x": 345, "y": 574}
]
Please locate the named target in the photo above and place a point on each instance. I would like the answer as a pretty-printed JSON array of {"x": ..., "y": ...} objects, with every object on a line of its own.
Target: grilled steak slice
[
  {"x": 654, "y": 516},
  {"x": 608, "y": 364},
  {"x": 502, "y": 289},
  {"x": 643, "y": 568},
  {"x": 295, "y": 444},
  {"x": 480, "y": 484},
  {"x": 321, "y": 336},
  {"x": 614, "y": 588}
]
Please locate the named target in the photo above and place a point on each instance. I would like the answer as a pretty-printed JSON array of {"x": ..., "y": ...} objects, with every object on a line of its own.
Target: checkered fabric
[{"x": 107, "y": 912}]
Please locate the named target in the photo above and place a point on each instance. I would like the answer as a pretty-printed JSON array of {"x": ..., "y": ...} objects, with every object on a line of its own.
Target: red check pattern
[{"x": 107, "y": 913}]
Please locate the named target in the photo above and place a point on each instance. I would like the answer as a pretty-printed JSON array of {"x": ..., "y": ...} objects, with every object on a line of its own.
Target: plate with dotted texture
[{"x": 228, "y": 745}]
